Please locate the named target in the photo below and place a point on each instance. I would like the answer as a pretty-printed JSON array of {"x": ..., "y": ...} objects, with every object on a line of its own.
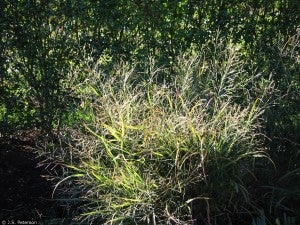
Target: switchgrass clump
[{"x": 176, "y": 152}]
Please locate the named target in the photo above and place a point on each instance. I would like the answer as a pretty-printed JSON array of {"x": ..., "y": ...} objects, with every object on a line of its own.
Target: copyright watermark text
[{"x": 19, "y": 222}]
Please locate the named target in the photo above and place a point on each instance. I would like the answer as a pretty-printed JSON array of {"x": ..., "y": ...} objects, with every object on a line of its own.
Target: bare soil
[{"x": 25, "y": 193}]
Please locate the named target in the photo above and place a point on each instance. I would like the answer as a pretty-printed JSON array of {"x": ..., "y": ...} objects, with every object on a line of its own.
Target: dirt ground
[{"x": 25, "y": 193}]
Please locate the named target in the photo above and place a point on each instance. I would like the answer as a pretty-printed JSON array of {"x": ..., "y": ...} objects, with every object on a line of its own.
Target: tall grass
[{"x": 177, "y": 152}]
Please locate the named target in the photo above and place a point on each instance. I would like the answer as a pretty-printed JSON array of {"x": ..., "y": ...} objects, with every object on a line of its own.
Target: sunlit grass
[{"x": 167, "y": 152}]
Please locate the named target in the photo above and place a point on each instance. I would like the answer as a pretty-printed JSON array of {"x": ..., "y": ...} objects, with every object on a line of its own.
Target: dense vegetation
[{"x": 159, "y": 112}]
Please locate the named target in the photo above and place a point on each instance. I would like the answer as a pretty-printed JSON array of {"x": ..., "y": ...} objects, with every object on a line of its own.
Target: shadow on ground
[{"x": 25, "y": 194}]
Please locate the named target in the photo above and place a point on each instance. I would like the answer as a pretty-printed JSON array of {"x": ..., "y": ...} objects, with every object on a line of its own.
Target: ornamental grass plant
[{"x": 155, "y": 151}]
